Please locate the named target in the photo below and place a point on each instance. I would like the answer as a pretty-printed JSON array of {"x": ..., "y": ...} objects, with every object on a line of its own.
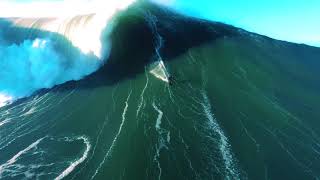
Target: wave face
[
  {"x": 178, "y": 98},
  {"x": 61, "y": 49}
]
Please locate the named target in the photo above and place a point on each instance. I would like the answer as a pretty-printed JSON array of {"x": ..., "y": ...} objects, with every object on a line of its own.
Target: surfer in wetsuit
[{"x": 171, "y": 80}]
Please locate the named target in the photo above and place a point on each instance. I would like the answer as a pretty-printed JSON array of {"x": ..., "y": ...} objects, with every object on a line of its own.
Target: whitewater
[
  {"x": 171, "y": 97},
  {"x": 56, "y": 46}
]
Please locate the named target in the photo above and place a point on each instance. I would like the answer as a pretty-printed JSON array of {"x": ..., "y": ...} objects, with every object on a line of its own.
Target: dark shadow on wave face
[{"x": 134, "y": 41}]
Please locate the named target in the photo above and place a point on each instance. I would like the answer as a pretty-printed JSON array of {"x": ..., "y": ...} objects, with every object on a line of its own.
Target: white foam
[
  {"x": 159, "y": 70},
  {"x": 224, "y": 146},
  {"x": 4, "y": 122},
  {"x": 141, "y": 96},
  {"x": 4, "y": 99},
  {"x": 168, "y": 137},
  {"x": 160, "y": 114},
  {"x": 39, "y": 59},
  {"x": 116, "y": 137},
  {"x": 16, "y": 157},
  {"x": 74, "y": 164}
]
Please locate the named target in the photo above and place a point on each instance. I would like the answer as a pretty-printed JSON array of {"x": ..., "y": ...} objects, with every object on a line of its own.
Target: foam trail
[
  {"x": 161, "y": 145},
  {"x": 158, "y": 122},
  {"x": 229, "y": 163},
  {"x": 141, "y": 96},
  {"x": 15, "y": 157},
  {"x": 158, "y": 69},
  {"x": 4, "y": 122},
  {"x": 73, "y": 165},
  {"x": 115, "y": 138}
]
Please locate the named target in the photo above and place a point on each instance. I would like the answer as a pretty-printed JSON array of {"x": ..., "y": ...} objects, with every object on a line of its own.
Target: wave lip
[
  {"x": 43, "y": 62},
  {"x": 4, "y": 99},
  {"x": 83, "y": 30}
]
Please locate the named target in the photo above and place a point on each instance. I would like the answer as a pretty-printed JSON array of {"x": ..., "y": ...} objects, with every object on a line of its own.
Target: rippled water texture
[{"x": 178, "y": 98}]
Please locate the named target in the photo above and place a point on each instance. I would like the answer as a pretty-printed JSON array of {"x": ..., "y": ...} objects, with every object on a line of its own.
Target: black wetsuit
[{"x": 171, "y": 80}]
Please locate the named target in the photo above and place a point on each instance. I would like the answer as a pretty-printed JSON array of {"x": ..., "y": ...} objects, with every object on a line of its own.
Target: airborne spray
[
  {"x": 54, "y": 50},
  {"x": 157, "y": 68},
  {"x": 36, "y": 64}
]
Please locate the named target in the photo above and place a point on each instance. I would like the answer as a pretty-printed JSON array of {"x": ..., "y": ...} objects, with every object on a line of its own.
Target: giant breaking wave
[{"x": 37, "y": 53}]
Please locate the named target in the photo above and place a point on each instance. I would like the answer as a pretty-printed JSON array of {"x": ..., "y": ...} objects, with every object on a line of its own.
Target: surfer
[{"x": 171, "y": 80}]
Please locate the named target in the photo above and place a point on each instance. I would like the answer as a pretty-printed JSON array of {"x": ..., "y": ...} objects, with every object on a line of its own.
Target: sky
[
  {"x": 58, "y": 8},
  {"x": 291, "y": 20}
]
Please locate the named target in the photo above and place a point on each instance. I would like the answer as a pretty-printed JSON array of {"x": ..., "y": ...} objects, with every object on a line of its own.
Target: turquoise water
[{"x": 240, "y": 106}]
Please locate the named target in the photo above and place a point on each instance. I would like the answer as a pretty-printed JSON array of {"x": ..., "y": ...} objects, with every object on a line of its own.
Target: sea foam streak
[
  {"x": 4, "y": 122},
  {"x": 74, "y": 164},
  {"x": 16, "y": 157},
  {"x": 18, "y": 164},
  {"x": 225, "y": 148}
]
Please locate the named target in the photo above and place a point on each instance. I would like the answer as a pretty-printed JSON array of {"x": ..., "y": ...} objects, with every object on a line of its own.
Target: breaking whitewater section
[
  {"x": 39, "y": 53},
  {"x": 177, "y": 98}
]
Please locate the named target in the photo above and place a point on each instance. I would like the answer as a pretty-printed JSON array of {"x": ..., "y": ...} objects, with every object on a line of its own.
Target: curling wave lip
[
  {"x": 4, "y": 99},
  {"x": 82, "y": 26},
  {"x": 82, "y": 31}
]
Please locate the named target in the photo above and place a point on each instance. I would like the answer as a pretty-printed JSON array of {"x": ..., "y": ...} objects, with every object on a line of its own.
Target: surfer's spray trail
[{"x": 53, "y": 50}]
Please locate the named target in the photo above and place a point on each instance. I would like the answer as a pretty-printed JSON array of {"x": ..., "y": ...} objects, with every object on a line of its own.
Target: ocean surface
[{"x": 178, "y": 98}]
